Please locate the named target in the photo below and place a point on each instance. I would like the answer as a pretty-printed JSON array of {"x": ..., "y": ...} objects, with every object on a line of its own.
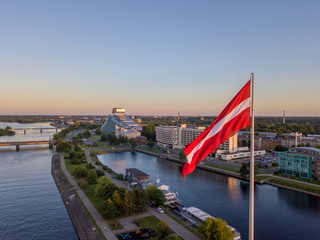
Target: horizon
[
  {"x": 158, "y": 58},
  {"x": 135, "y": 115}
]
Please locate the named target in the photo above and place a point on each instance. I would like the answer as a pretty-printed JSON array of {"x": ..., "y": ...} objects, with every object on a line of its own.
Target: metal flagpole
[{"x": 251, "y": 202}]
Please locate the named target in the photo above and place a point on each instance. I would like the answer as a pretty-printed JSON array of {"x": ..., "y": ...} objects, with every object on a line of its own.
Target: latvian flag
[{"x": 233, "y": 118}]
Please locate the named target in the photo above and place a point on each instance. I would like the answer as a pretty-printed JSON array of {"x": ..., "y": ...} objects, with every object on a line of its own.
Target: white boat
[{"x": 200, "y": 216}]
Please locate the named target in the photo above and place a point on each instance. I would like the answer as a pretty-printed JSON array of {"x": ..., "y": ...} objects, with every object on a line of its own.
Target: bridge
[
  {"x": 18, "y": 144},
  {"x": 25, "y": 129}
]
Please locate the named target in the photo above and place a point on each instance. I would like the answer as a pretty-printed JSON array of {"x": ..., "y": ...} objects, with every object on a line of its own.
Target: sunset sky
[{"x": 158, "y": 57}]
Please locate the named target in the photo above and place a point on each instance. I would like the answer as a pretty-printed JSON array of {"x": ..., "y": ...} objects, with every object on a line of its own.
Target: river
[
  {"x": 279, "y": 213},
  {"x": 30, "y": 203}
]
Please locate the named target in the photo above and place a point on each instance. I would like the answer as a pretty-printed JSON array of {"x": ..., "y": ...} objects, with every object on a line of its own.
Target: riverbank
[
  {"x": 81, "y": 221},
  {"x": 266, "y": 180}
]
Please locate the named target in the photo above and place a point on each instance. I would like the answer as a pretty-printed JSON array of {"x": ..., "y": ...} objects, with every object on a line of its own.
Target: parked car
[{"x": 160, "y": 210}]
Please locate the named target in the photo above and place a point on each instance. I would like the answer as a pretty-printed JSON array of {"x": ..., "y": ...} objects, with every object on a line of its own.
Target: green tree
[
  {"x": 118, "y": 202},
  {"x": 103, "y": 138},
  {"x": 100, "y": 190},
  {"x": 150, "y": 143},
  {"x": 280, "y": 148},
  {"x": 164, "y": 230},
  {"x": 80, "y": 172},
  {"x": 128, "y": 204},
  {"x": 79, "y": 135},
  {"x": 155, "y": 195},
  {"x": 63, "y": 146},
  {"x": 92, "y": 176},
  {"x": 86, "y": 133},
  {"x": 182, "y": 155},
  {"x": 109, "y": 209},
  {"x": 133, "y": 143},
  {"x": 98, "y": 131},
  {"x": 82, "y": 184},
  {"x": 245, "y": 170},
  {"x": 173, "y": 237},
  {"x": 77, "y": 148},
  {"x": 149, "y": 131},
  {"x": 216, "y": 229}
]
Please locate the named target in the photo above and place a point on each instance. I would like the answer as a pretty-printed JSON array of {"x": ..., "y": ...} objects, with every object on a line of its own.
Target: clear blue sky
[{"x": 158, "y": 57}]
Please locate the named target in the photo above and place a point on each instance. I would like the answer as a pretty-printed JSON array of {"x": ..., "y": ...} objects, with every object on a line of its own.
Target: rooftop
[{"x": 136, "y": 172}]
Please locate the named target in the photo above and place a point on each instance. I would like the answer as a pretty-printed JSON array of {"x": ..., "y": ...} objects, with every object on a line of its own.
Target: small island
[{"x": 7, "y": 131}]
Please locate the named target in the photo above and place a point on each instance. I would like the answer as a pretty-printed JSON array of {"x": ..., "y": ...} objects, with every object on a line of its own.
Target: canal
[
  {"x": 279, "y": 213},
  {"x": 30, "y": 203}
]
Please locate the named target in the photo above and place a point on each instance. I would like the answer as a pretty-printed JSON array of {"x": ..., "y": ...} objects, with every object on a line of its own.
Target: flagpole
[{"x": 251, "y": 202}]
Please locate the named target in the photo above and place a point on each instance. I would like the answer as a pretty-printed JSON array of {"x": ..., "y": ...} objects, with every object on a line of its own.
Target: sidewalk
[
  {"x": 176, "y": 227},
  {"x": 94, "y": 213}
]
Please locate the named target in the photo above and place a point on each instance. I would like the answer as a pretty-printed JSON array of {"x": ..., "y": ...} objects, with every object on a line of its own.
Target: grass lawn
[
  {"x": 299, "y": 179},
  {"x": 90, "y": 190},
  {"x": 95, "y": 137},
  {"x": 150, "y": 222},
  {"x": 96, "y": 201},
  {"x": 71, "y": 167},
  {"x": 151, "y": 150},
  {"x": 296, "y": 185},
  {"x": 260, "y": 178},
  {"x": 111, "y": 225},
  {"x": 221, "y": 167}
]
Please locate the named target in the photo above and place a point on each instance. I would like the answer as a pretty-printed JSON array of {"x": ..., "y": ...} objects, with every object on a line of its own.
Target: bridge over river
[
  {"x": 31, "y": 142},
  {"x": 40, "y": 128}
]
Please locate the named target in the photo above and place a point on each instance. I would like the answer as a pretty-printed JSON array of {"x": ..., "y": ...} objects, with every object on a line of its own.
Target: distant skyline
[{"x": 158, "y": 57}]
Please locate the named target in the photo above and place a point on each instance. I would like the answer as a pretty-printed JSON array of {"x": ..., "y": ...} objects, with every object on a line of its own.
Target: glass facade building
[{"x": 301, "y": 162}]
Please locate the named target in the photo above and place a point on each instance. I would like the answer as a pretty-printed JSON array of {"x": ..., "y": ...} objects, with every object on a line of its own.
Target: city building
[
  {"x": 303, "y": 162},
  {"x": 135, "y": 176},
  {"x": 121, "y": 125},
  {"x": 242, "y": 152},
  {"x": 176, "y": 136}
]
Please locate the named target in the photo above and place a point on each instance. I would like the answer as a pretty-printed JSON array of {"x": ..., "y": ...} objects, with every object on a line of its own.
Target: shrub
[
  {"x": 92, "y": 176},
  {"x": 80, "y": 155},
  {"x": 275, "y": 164},
  {"x": 63, "y": 146},
  {"x": 100, "y": 190},
  {"x": 119, "y": 176},
  {"x": 74, "y": 161},
  {"x": 89, "y": 166},
  {"x": 77, "y": 148},
  {"x": 80, "y": 172},
  {"x": 100, "y": 173},
  {"x": 82, "y": 184},
  {"x": 72, "y": 154}
]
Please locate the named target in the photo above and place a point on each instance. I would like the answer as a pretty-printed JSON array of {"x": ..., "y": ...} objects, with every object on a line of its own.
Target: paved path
[
  {"x": 175, "y": 226},
  {"x": 117, "y": 182},
  {"x": 94, "y": 213}
]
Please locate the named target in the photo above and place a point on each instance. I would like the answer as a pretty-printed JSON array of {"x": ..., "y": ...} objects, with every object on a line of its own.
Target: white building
[
  {"x": 180, "y": 136},
  {"x": 121, "y": 125},
  {"x": 242, "y": 152},
  {"x": 176, "y": 136}
]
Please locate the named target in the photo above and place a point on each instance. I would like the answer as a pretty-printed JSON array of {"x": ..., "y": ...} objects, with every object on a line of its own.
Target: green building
[{"x": 301, "y": 162}]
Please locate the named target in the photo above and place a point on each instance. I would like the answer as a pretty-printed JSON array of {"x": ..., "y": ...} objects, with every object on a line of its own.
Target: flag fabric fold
[{"x": 235, "y": 117}]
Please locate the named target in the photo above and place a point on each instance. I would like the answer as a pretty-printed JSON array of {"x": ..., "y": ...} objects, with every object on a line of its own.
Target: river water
[
  {"x": 30, "y": 203},
  {"x": 279, "y": 213}
]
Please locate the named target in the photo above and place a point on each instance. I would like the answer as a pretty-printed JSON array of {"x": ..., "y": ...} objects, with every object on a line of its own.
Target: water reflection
[
  {"x": 277, "y": 212},
  {"x": 298, "y": 201}
]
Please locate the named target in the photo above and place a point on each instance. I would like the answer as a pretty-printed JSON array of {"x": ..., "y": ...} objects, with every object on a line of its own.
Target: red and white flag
[{"x": 233, "y": 118}]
